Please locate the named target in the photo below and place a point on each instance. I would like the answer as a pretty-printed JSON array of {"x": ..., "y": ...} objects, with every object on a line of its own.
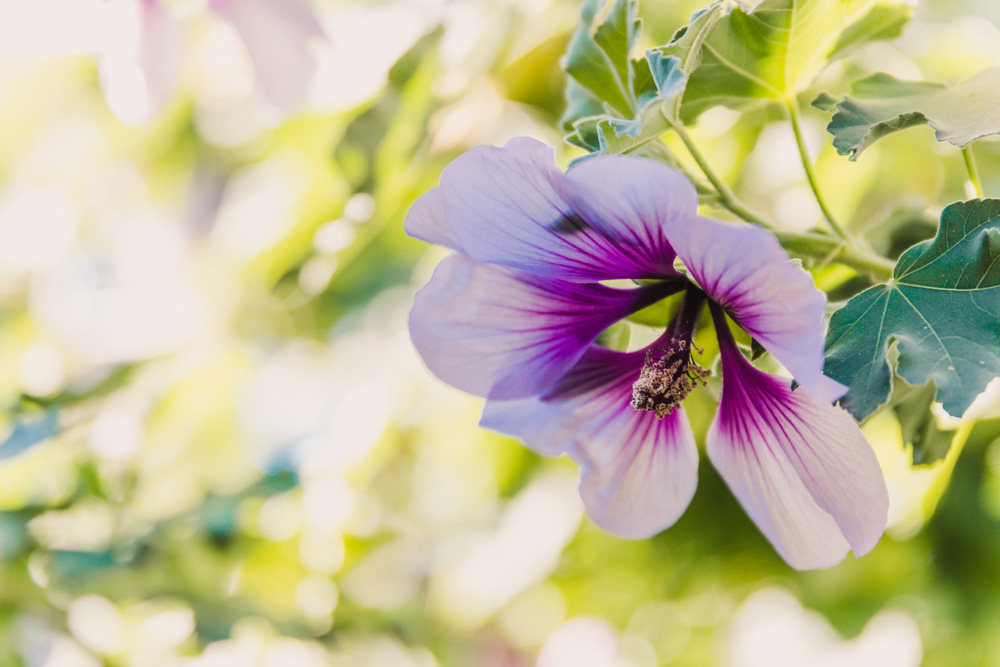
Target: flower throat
[{"x": 670, "y": 373}]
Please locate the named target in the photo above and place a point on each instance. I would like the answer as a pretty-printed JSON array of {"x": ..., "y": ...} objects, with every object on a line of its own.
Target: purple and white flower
[{"x": 513, "y": 317}]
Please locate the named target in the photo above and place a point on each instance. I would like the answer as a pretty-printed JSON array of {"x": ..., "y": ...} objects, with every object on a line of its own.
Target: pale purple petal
[
  {"x": 503, "y": 207},
  {"x": 500, "y": 333},
  {"x": 140, "y": 68},
  {"x": 278, "y": 36},
  {"x": 638, "y": 473},
  {"x": 428, "y": 221},
  {"x": 632, "y": 201},
  {"x": 546, "y": 427},
  {"x": 802, "y": 469},
  {"x": 744, "y": 269}
]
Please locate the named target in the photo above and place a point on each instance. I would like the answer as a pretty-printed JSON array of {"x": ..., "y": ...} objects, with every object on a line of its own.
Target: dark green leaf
[
  {"x": 881, "y": 104},
  {"x": 825, "y": 102},
  {"x": 941, "y": 308},
  {"x": 912, "y": 406}
]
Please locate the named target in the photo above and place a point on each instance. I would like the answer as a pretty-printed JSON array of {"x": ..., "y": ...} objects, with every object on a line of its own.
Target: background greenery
[{"x": 222, "y": 449}]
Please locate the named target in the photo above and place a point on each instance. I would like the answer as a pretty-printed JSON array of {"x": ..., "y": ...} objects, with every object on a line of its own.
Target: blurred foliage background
[{"x": 220, "y": 449}]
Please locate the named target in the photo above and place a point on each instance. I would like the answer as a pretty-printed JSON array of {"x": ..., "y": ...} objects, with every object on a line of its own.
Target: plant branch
[
  {"x": 816, "y": 246},
  {"x": 727, "y": 197},
  {"x": 793, "y": 115},
  {"x": 827, "y": 248}
]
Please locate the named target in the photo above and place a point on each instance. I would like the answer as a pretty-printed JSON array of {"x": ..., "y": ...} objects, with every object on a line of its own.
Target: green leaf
[
  {"x": 615, "y": 337},
  {"x": 658, "y": 315},
  {"x": 883, "y": 23},
  {"x": 612, "y": 100},
  {"x": 599, "y": 61},
  {"x": 941, "y": 309},
  {"x": 770, "y": 53},
  {"x": 825, "y": 102},
  {"x": 912, "y": 406},
  {"x": 610, "y": 134},
  {"x": 882, "y": 104}
]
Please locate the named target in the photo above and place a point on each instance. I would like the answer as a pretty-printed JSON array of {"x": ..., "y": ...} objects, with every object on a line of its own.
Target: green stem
[
  {"x": 830, "y": 249},
  {"x": 726, "y": 196},
  {"x": 970, "y": 166},
  {"x": 793, "y": 115},
  {"x": 816, "y": 246}
]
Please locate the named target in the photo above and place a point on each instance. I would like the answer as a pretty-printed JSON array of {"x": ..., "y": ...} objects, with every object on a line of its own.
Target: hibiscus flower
[{"x": 513, "y": 317}]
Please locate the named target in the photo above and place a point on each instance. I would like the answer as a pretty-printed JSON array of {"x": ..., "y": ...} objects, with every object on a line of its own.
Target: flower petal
[
  {"x": 428, "y": 221},
  {"x": 638, "y": 473},
  {"x": 140, "y": 69},
  {"x": 277, "y": 35},
  {"x": 632, "y": 201},
  {"x": 504, "y": 334},
  {"x": 802, "y": 469},
  {"x": 745, "y": 270},
  {"x": 503, "y": 206}
]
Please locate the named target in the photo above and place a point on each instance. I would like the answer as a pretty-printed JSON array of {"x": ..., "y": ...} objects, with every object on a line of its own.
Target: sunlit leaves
[
  {"x": 884, "y": 22},
  {"x": 774, "y": 51},
  {"x": 600, "y": 61},
  {"x": 882, "y": 104},
  {"x": 941, "y": 309},
  {"x": 613, "y": 100}
]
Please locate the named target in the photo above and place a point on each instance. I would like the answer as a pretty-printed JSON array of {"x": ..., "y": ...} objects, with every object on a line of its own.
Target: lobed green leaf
[
  {"x": 882, "y": 104},
  {"x": 941, "y": 309}
]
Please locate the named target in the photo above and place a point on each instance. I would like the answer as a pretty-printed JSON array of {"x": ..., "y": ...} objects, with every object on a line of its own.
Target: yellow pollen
[{"x": 667, "y": 379}]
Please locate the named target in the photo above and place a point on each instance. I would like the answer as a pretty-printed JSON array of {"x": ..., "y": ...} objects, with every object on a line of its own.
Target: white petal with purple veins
[
  {"x": 504, "y": 207},
  {"x": 633, "y": 201},
  {"x": 744, "y": 269},
  {"x": 638, "y": 473},
  {"x": 500, "y": 333},
  {"x": 802, "y": 469}
]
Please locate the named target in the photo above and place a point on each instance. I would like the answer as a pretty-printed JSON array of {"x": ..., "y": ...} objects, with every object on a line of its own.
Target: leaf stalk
[
  {"x": 973, "y": 169},
  {"x": 794, "y": 116}
]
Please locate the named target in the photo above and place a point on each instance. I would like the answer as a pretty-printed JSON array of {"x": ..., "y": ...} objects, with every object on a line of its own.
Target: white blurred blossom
[
  {"x": 145, "y": 43},
  {"x": 772, "y": 629}
]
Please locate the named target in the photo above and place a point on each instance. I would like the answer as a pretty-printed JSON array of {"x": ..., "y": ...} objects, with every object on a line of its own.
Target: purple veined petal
[
  {"x": 500, "y": 333},
  {"x": 503, "y": 206},
  {"x": 745, "y": 270},
  {"x": 140, "y": 67},
  {"x": 802, "y": 469},
  {"x": 277, "y": 35},
  {"x": 428, "y": 221},
  {"x": 638, "y": 472},
  {"x": 633, "y": 201}
]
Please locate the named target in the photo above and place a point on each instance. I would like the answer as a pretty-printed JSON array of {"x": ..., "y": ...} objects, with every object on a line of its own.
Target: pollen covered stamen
[{"x": 667, "y": 377}]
